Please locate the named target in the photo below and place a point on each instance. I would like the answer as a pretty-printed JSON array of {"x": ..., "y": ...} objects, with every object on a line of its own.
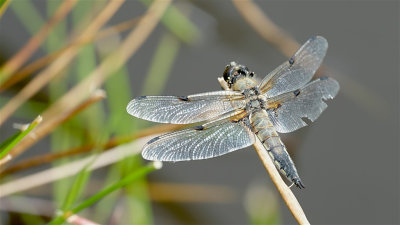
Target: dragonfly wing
[
  {"x": 303, "y": 103},
  {"x": 298, "y": 70},
  {"x": 185, "y": 109},
  {"x": 201, "y": 142}
]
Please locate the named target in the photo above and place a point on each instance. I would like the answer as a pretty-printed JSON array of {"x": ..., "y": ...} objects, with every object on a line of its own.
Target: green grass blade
[
  {"x": 161, "y": 65},
  {"x": 18, "y": 137},
  {"x": 120, "y": 122},
  {"x": 64, "y": 137},
  {"x": 106, "y": 191},
  {"x": 77, "y": 188},
  {"x": 3, "y": 6},
  {"x": 28, "y": 15},
  {"x": 178, "y": 24}
]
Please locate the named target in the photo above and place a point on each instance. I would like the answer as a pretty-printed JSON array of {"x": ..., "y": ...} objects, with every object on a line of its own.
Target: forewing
[
  {"x": 201, "y": 142},
  {"x": 185, "y": 109},
  {"x": 298, "y": 71},
  {"x": 304, "y": 103}
]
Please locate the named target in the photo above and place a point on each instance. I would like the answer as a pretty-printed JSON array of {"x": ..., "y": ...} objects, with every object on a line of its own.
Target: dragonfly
[{"x": 233, "y": 119}]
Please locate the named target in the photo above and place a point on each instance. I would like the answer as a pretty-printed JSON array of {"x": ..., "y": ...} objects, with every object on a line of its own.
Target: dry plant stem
[
  {"x": 5, "y": 159},
  {"x": 265, "y": 27},
  {"x": 59, "y": 64},
  {"x": 47, "y": 158},
  {"x": 69, "y": 169},
  {"x": 39, "y": 63},
  {"x": 287, "y": 194},
  {"x": 284, "y": 190},
  {"x": 47, "y": 126},
  {"x": 74, "y": 97},
  {"x": 18, "y": 59},
  {"x": 113, "y": 62},
  {"x": 287, "y": 45}
]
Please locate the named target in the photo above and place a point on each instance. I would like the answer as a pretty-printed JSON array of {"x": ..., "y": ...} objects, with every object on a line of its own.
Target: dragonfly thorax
[
  {"x": 238, "y": 77},
  {"x": 253, "y": 99}
]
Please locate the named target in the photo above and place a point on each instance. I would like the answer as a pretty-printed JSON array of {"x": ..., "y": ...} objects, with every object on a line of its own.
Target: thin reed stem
[{"x": 287, "y": 195}]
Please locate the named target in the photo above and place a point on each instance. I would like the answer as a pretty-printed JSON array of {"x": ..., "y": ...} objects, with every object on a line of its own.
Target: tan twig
[
  {"x": 39, "y": 63},
  {"x": 113, "y": 62},
  {"x": 47, "y": 126},
  {"x": 265, "y": 27},
  {"x": 287, "y": 194},
  {"x": 69, "y": 169},
  {"x": 268, "y": 30},
  {"x": 56, "y": 67},
  {"x": 5, "y": 159},
  {"x": 47, "y": 158},
  {"x": 283, "y": 189},
  {"x": 18, "y": 59}
]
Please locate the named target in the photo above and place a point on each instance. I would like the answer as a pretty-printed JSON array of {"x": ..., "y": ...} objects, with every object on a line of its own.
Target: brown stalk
[
  {"x": 50, "y": 157},
  {"x": 96, "y": 78},
  {"x": 287, "y": 195},
  {"x": 268, "y": 30},
  {"x": 114, "y": 61},
  {"x": 18, "y": 59},
  {"x": 47, "y": 126},
  {"x": 39, "y": 63},
  {"x": 59, "y": 64},
  {"x": 72, "y": 168}
]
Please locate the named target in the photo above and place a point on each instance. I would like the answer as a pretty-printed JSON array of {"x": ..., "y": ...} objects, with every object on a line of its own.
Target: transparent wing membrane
[
  {"x": 298, "y": 70},
  {"x": 303, "y": 103},
  {"x": 185, "y": 109},
  {"x": 201, "y": 142}
]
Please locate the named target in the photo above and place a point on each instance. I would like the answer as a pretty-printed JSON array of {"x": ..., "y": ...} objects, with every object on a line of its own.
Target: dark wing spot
[
  {"x": 278, "y": 106},
  {"x": 324, "y": 78},
  {"x": 198, "y": 127},
  {"x": 291, "y": 60},
  {"x": 153, "y": 140},
  {"x": 296, "y": 92},
  {"x": 183, "y": 98},
  {"x": 141, "y": 97}
]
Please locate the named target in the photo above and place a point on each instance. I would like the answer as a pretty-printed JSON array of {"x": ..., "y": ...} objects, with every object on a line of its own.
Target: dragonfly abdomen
[{"x": 265, "y": 131}]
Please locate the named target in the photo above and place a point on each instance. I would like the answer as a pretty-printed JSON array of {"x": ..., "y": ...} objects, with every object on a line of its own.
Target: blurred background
[{"x": 78, "y": 63}]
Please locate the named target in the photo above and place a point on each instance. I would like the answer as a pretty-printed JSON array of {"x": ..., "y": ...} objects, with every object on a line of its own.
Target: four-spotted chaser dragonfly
[{"x": 251, "y": 109}]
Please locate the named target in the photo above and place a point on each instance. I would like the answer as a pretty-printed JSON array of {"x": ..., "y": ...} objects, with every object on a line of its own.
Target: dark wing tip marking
[
  {"x": 141, "y": 97},
  {"x": 183, "y": 98},
  {"x": 291, "y": 60},
  {"x": 153, "y": 140},
  {"x": 198, "y": 127},
  {"x": 296, "y": 92}
]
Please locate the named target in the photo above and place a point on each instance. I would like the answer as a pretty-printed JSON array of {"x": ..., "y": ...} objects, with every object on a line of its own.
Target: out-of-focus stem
[
  {"x": 59, "y": 64},
  {"x": 18, "y": 59},
  {"x": 47, "y": 126}
]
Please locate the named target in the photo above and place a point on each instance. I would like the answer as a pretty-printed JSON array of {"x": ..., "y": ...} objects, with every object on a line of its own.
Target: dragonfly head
[{"x": 234, "y": 71}]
